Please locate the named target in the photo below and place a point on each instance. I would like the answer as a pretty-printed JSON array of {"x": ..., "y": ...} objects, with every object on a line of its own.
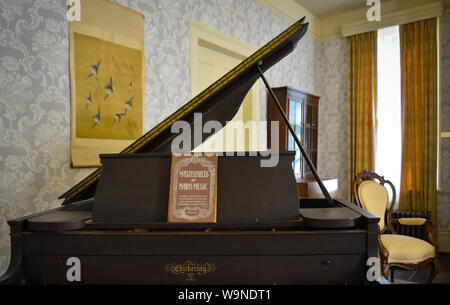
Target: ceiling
[{"x": 328, "y": 8}]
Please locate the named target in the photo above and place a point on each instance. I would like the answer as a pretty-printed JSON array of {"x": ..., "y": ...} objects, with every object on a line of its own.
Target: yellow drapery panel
[
  {"x": 418, "y": 48},
  {"x": 362, "y": 100}
]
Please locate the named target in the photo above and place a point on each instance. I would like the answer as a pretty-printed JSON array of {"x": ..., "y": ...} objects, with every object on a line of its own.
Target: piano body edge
[
  {"x": 245, "y": 253},
  {"x": 294, "y": 256}
]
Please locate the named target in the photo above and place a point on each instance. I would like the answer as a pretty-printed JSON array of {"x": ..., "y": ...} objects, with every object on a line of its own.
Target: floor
[{"x": 421, "y": 276}]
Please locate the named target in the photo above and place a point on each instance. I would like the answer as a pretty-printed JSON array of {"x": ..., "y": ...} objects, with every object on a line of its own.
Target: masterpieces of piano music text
[
  {"x": 193, "y": 189},
  {"x": 117, "y": 225}
]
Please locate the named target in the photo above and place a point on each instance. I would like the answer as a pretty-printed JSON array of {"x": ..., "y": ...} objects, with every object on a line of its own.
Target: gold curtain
[
  {"x": 418, "y": 47},
  {"x": 362, "y": 100}
]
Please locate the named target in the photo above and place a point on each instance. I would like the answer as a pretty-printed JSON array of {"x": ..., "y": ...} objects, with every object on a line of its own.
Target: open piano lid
[{"x": 219, "y": 102}]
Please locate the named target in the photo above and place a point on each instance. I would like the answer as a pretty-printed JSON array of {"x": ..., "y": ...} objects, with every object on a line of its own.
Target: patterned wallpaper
[
  {"x": 35, "y": 104},
  {"x": 331, "y": 85},
  {"x": 443, "y": 206},
  {"x": 34, "y": 86}
]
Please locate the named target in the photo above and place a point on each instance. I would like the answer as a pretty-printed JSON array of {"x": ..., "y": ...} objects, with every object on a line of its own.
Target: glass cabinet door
[
  {"x": 311, "y": 127},
  {"x": 302, "y": 111},
  {"x": 296, "y": 118}
]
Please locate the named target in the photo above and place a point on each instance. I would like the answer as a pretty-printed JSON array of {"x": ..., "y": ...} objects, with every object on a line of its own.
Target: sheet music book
[{"x": 193, "y": 189}]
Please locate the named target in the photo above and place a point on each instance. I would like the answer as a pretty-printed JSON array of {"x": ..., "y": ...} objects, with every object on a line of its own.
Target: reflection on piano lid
[{"x": 219, "y": 102}]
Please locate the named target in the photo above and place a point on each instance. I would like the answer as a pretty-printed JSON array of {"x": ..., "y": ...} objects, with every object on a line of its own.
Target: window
[
  {"x": 388, "y": 122},
  {"x": 296, "y": 120}
]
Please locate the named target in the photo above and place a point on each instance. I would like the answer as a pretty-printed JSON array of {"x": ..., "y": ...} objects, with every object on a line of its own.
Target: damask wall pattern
[
  {"x": 35, "y": 97},
  {"x": 34, "y": 86},
  {"x": 443, "y": 198},
  {"x": 331, "y": 84}
]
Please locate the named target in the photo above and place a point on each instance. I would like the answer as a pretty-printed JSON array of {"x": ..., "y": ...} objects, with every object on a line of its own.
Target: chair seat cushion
[
  {"x": 412, "y": 221},
  {"x": 406, "y": 249}
]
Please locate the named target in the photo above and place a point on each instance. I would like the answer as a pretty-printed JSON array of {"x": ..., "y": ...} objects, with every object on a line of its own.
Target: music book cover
[{"x": 193, "y": 189}]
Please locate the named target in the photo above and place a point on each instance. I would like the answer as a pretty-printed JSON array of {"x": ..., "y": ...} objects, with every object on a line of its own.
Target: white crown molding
[
  {"x": 353, "y": 22},
  {"x": 395, "y": 18},
  {"x": 272, "y": 6},
  {"x": 291, "y": 11}
]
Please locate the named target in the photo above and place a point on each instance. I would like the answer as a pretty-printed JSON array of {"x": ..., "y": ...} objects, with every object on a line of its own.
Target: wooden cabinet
[{"x": 302, "y": 109}]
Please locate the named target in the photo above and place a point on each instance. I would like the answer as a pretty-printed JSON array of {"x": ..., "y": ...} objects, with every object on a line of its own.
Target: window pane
[
  {"x": 298, "y": 115},
  {"x": 292, "y": 111},
  {"x": 388, "y": 142},
  {"x": 290, "y": 142}
]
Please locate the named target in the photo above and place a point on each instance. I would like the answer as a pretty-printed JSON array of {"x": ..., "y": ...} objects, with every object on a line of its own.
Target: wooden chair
[{"x": 396, "y": 251}]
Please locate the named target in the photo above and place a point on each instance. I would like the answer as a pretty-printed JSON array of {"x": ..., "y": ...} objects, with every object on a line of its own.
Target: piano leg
[{"x": 14, "y": 275}]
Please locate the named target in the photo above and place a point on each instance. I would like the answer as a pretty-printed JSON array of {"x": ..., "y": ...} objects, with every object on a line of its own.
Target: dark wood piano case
[
  {"x": 198, "y": 254},
  {"x": 120, "y": 235},
  {"x": 134, "y": 189}
]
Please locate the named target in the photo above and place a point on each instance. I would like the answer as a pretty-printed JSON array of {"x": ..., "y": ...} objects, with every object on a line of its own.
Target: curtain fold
[
  {"x": 362, "y": 100},
  {"x": 418, "y": 49}
]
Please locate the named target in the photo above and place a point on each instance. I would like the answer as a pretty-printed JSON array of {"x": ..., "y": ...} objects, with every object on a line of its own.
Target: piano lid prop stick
[{"x": 297, "y": 140}]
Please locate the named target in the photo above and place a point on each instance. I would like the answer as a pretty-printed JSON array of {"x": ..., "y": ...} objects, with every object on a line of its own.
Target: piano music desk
[{"x": 309, "y": 188}]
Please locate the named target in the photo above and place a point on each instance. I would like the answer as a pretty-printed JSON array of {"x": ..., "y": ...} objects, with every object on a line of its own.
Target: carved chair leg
[
  {"x": 434, "y": 270},
  {"x": 385, "y": 271}
]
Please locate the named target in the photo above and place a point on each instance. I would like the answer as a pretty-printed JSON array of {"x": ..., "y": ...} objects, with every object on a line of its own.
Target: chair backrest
[{"x": 371, "y": 194}]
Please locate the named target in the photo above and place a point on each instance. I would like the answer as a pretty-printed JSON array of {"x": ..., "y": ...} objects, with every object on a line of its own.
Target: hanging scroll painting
[{"x": 107, "y": 81}]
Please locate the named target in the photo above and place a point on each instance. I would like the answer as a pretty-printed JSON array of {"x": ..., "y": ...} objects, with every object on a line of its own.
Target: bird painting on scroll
[{"x": 108, "y": 89}]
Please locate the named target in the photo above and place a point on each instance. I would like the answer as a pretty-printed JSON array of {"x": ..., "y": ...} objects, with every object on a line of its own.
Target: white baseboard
[{"x": 443, "y": 241}]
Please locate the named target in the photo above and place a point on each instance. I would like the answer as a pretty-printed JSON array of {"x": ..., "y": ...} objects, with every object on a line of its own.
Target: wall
[
  {"x": 34, "y": 88},
  {"x": 331, "y": 85},
  {"x": 34, "y": 91},
  {"x": 338, "y": 23},
  {"x": 443, "y": 205}
]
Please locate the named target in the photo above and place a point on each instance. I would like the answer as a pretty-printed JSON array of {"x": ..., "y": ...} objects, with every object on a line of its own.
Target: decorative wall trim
[
  {"x": 395, "y": 18},
  {"x": 204, "y": 36},
  {"x": 291, "y": 11},
  {"x": 352, "y": 22},
  {"x": 274, "y": 7}
]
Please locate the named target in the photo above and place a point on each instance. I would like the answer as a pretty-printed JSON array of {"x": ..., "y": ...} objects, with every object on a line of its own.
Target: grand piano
[{"x": 113, "y": 224}]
